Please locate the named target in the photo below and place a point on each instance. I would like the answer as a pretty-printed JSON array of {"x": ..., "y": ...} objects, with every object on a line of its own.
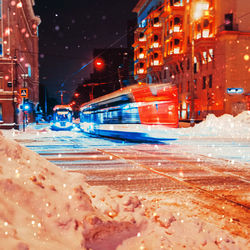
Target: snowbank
[
  {"x": 44, "y": 207},
  {"x": 225, "y": 126}
]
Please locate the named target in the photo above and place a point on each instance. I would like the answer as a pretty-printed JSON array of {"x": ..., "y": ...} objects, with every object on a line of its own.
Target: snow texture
[{"x": 44, "y": 207}]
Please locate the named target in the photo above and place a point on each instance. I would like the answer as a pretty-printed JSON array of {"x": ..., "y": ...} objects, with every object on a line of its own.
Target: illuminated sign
[
  {"x": 235, "y": 90},
  {"x": 24, "y": 92},
  {"x": 62, "y": 112}
]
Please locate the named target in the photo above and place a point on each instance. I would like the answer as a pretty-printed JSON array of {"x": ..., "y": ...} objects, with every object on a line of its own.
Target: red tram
[{"x": 146, "y": 104}]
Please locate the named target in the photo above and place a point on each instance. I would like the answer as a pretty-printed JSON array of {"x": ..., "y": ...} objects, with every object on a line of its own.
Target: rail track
[
  {"x": 224, "y": 193},
  {"x": 215, "y": 189}
]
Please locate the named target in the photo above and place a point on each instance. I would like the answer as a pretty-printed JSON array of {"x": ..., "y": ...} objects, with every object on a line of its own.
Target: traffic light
[
  {"x": 25, "y": 106},
  {"x": 99, "y": 64}
]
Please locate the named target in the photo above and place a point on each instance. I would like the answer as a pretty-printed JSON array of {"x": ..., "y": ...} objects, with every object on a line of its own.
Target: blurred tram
[
  {"x": 125, "y": 112},
  {"x": 62, "y": 118}
]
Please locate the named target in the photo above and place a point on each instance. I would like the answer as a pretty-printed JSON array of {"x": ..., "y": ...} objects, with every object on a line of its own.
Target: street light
[{"x": 198, "y": 9}]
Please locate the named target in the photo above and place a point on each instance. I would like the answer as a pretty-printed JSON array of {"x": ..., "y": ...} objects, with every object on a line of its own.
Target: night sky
[{"x": 68, "y": 33}]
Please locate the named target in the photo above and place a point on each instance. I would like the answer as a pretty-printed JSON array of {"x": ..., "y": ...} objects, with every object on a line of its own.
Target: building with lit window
[
  {"x": 18, "y": 61},
  {"x": 202, "y": 46}
]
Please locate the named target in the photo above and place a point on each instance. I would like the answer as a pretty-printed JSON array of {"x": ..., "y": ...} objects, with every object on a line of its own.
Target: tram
[
  {"x": 125, "y": 112},
  {"x": 62, "y": 118}
]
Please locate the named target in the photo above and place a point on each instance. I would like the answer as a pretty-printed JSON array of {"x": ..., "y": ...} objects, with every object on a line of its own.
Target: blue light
[{"x": 26, "y": 107}]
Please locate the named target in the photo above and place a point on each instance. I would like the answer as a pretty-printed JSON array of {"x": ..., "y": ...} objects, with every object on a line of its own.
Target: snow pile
[
  {"x": 44, "y": 207},
  {"x": 225, "y": 126}
]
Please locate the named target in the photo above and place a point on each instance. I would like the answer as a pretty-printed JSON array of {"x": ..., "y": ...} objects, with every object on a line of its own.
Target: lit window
[
  {"x": 156, "y": 62},
  {"x": 177, "y": 50},
  {"x": 156, "y": 22},
  {"x": 29, "y": 69},
  {"x": 1, "y": 112},
  {"x": 205, "y": 33},
  {"x": 204, "y": 60},
  {"x": 176, "y": 28},
  {"x": 156, "y": 45},
  {"x": 211, "y": 53},
  {"x": 198, "y": 36},
  {"x": 140, "y": 71},
  {"x": 141, "y": 56}
]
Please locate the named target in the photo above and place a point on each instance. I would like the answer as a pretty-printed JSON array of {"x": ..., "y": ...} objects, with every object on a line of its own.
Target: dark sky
[{"x": 68, "y": 33}]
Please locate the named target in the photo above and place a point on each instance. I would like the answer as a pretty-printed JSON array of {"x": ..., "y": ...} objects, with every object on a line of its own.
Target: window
[
  {"x": 1, "y": 47},
  {"x": 205, "y": 23},
  {"x": 210, "y": 81},
  {"x": 1, "y": 82},
  {"x": 188, "y": 64},
  {"x": 195, "y": 84},
  {"x": 1, "y": 112},
  {"x": 204, "y": 82},
  {"x": 176, "y": 41},
  {"x": 156, "y": 55},
  {"x": 155, "y": 38},
  {"x": 177, "y": 20},
  {"x": 156, "y": 20},
  {"x": 195, "y": 65},
  {"x": 29, "y": 69},
  {"x": 180, "y": 87},
  {"x": 229, "y": 21}
]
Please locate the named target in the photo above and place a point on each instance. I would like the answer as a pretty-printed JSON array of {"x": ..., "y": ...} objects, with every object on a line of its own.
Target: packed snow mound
[
  {"x": 225, "y": 126},
  {"x": 43, "y": 207}
]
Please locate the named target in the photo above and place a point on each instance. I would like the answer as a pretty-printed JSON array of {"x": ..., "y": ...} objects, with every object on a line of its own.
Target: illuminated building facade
[
  {"x": 202, "y": 46},
  {"x": 18, "y": 61}
]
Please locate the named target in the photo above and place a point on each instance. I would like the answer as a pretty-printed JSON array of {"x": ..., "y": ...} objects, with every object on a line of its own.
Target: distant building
[
  {"x": 215, "y": 78},
  {"x": 18, "y": 61}
]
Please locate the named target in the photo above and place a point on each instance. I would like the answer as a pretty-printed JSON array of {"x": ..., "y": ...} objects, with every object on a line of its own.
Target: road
[{"x": 210, "y": 185}]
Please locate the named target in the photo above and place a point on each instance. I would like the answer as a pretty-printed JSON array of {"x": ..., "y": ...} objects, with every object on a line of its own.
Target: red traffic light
[{"x": 99, "y": 64}]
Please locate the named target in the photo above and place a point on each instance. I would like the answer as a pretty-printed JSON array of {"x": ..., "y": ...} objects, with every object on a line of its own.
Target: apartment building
[
  {"x": 19, "y": 76},
  {"x": 202, "y": 46}
]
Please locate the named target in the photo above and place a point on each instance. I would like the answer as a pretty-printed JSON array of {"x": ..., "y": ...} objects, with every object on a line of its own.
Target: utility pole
[{"x": 61, "y": 94}]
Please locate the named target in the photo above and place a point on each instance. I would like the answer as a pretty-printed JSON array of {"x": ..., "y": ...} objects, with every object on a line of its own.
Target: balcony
[
  {"x": 177, "y": 8},
  {"x": 204, "y": 42}
]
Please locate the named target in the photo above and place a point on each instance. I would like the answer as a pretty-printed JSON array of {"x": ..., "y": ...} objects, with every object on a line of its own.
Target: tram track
[
  {"x": 213, "y": 187},
  {"x": 236, "y": 211}
]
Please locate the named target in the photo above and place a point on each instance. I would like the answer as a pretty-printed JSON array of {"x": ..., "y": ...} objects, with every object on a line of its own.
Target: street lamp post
[
  {"x": 192, "y": 108},
  {"x": 197, "y": 10}
]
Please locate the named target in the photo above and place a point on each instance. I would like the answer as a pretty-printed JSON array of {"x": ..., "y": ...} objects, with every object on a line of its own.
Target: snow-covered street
[{"x": 190, "y": 193}]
